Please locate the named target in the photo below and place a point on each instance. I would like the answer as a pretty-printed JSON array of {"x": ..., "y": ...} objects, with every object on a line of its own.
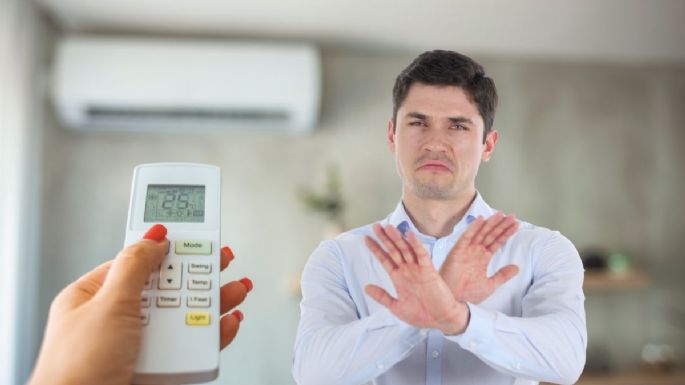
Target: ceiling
[{"x": 634, "y": 31}]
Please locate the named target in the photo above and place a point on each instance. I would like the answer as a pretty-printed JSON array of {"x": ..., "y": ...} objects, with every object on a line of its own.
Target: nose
[{"x": 435, "y": 142}]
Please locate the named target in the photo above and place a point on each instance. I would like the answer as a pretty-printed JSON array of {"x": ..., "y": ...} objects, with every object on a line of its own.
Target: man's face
[{"x": 438, "y": 142}]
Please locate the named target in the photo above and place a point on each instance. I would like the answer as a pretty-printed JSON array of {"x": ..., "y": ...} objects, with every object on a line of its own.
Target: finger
[
  {"x": 471, "y": 231},
  {"x": 498, "y": 230},
  {"x": 233, "y": 294},
  {"x": 389, "y": 246},
  {"x": 406, "y": 251},
  {"x": 489, "y": 224},
  {"x": 229, "y": 326},
  {"x": 86, "y": 286},
  {"x": 133, "y": 265},
  {"x": 422, "y": 257},
  {"x": 388, "y": 264},
  {"x": 226, "y": 257},
  {"x": 380, "y": 295},
  {"x": 499, "y": 242},
  {"x": 503, "y": 275}
]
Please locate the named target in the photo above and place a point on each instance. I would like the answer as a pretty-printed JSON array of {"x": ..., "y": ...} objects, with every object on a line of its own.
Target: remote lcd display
[{"x": 174, "y": 203}]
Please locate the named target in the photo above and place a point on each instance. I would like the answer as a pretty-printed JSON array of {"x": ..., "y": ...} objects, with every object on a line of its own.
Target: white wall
[
  {"x": 20, "y": 158},
  {"x": 591, "y": 150}
]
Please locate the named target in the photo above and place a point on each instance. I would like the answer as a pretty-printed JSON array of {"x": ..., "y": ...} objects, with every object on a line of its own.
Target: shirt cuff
[{"x": 479, "y": 332}]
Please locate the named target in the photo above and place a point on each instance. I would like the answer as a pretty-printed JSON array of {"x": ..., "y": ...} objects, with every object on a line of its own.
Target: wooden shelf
[
  {"x": 598, "y": 281},
  {"x": 632, "y": 378}
]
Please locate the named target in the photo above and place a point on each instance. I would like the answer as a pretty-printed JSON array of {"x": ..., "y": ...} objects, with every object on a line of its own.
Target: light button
[
  {"x": 197, "y": 318},
  {"x": 435, "y": 354},
  {"x": 193, "y": 247}
]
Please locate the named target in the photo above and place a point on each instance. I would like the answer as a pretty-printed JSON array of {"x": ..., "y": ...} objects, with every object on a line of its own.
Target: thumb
[
  {"x": 380, "y": 295},
  {"x": 133, "y": 265},
  {"x": 504, "y": 274}
]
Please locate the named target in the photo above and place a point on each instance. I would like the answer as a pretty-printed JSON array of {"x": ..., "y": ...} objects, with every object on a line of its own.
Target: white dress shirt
[{"x": 530, "y": 329}]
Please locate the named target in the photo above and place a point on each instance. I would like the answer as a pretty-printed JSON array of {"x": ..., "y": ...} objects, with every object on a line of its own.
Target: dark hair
[{"x": 448, "y": 68}]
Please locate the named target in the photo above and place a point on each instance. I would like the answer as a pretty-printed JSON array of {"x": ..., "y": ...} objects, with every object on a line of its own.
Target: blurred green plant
[{"x": 329, "y": 202}]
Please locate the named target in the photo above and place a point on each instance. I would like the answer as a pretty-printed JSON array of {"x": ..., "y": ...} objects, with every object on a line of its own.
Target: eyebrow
[
  {"x": 417, "y": 115},
  {"x": 453, "y": 119},
  {"x": 460, "y": 119}
]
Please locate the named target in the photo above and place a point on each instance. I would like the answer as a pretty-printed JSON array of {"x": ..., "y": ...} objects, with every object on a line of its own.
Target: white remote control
[{"x": 180, "y": 302}]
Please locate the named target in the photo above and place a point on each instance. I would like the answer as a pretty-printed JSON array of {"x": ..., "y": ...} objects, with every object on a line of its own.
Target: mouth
[{"x": 435, "y": 166}]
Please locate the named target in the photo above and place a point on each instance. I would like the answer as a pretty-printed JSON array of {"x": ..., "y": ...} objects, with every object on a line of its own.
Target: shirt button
[
  {"x": 518, "y": 366},
  {"x": 473, "y": 345},
  {"x": 423, "y": 332},
  {"x": 380, "y": 366},
  {"x": 435, "y": 354}
]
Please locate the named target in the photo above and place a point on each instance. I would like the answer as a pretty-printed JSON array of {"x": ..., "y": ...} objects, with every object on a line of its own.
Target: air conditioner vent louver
[{"x": 99, "y": 113}]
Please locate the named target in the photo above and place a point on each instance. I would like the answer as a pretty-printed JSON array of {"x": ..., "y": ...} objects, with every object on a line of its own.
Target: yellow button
[
  {"x": 197, "y": 318},
  {"x": 194, "y": 247}
]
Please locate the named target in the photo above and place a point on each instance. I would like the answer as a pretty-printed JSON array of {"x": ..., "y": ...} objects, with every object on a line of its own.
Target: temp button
[{"x": 193, "y": 247}]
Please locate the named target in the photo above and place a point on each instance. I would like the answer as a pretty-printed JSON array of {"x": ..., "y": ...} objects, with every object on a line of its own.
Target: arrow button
[{"x": 170, "y": 277}]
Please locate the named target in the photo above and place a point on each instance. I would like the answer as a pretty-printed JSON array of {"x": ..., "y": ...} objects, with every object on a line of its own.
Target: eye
[
  {"x": 417, "y": 123},
  {"x": 459, "y": 127}
]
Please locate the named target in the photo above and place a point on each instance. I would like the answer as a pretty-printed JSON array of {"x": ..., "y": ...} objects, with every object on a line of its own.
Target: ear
[
  {"x": 391, "y": 136},
  {"x": 490, "y": 142}
]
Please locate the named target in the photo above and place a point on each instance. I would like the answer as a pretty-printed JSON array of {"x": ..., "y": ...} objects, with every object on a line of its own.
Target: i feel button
[{"x": 194, "y": 247}]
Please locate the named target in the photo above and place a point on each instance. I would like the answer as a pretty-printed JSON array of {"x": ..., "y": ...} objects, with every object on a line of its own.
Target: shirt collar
[{"x": 400, "y": 219}]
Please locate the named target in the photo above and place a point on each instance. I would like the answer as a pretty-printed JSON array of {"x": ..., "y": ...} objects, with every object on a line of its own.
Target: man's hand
[
  {"x": 423, "y": 298},
  {"x": 94, "y": 329},
  {"x": 465, "y": 268}
]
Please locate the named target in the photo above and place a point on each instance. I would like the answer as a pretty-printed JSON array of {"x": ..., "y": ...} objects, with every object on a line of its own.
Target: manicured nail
[
  {"x": 248, "y": 283},
  {"x": 156, "y": 233},
  {"x": 239, "y": 315},
  {"x": 227, "y": 250}
]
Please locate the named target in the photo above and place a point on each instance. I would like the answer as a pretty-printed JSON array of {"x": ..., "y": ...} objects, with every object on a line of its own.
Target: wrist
[{"x": 458, "y": 320}]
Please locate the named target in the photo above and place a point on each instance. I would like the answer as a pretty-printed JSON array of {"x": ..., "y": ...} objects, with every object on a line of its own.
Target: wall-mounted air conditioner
[{"x": 140, "y": 84}]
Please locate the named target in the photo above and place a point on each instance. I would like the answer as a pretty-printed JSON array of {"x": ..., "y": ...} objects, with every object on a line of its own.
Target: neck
[{"x": 437, "y": 218}]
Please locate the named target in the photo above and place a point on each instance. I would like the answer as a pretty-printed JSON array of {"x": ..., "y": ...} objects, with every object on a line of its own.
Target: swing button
[{"x": 192, "y": 247}]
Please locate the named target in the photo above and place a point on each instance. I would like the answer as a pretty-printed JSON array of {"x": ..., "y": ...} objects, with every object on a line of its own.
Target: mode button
[{"x": 193, "y": 247}]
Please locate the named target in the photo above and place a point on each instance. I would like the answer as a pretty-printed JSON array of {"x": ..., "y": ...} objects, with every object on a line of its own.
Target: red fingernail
[
  {"x": 156, "y": 233},
  {"x": 248, "y": 283},
  {"x": 227, "y": 250},
  {"x": 239, "y": 315}
]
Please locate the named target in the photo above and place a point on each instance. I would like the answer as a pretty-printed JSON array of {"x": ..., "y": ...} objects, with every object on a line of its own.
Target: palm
[
  {"x": 422, "y": 296},
  {"x": 465, "y": 268},
  {"x": 466, "y": 275}
]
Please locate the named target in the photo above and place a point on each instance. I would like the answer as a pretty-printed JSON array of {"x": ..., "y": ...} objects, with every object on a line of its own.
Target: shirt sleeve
[
  {"x": 548, "y": 342},
  {"x": 334, "y": 345}
]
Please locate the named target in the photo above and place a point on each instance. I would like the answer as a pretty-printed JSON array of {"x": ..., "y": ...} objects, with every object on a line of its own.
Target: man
[{"x": 444, "y": 290}]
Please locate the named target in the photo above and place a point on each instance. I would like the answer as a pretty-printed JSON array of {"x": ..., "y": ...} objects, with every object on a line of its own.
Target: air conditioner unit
[{"x": 133, "y": 84}]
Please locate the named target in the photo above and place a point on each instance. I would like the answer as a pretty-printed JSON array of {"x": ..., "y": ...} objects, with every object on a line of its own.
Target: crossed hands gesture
[{"x": 427, "y": 298}]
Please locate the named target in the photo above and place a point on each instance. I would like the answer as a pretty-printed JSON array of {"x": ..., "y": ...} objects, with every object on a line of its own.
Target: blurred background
[{"x": 592, "y": 97}]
